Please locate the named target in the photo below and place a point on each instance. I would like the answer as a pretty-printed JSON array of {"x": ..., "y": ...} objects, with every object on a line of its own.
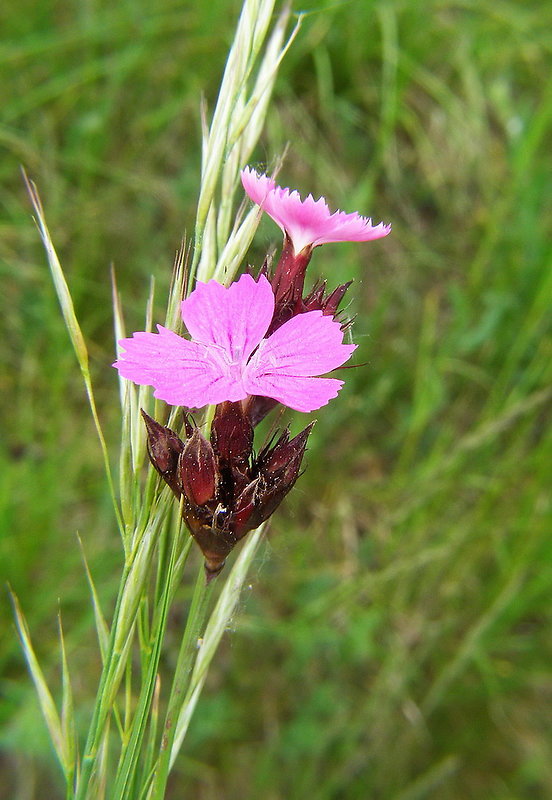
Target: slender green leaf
[{"x": 45, "y": 699}]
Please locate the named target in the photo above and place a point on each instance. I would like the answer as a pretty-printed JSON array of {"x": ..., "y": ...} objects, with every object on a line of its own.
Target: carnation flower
[
  {"x": 309, "y": 222},
  {"x": 228, "y": 356}
]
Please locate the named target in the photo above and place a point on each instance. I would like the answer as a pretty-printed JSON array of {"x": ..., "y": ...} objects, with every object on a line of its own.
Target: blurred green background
[{"x": 396, "y": 641}]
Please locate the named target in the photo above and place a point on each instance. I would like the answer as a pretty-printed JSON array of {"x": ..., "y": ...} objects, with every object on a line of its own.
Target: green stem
[
  {"x": 130, "y": 755},
  {"x": 183, "y": 671},
  {"x": 135, "y": 571},
  {"x": 101, "y": 709},
  {"x": 214, "y": 630}
]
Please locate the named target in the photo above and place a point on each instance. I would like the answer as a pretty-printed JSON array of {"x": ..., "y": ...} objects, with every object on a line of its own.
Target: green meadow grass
[{"x": 395, "y": 642}]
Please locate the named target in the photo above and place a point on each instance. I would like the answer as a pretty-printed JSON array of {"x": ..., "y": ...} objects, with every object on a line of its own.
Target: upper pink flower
[
  {"x": 228, "y": 357},
  {"x": 309, "y": 221}
]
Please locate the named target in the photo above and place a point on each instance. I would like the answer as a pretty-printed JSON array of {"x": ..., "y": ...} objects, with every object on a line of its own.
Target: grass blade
[
  {"x": 45, "y": 698},
  {"x": 217, "y": 624},
  {"x": 75, "y": 333},
  {"x": 68, "y": 728}
]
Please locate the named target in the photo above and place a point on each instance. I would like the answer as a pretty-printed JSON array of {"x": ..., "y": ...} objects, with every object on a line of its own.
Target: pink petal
[
  {"x": 309, "y": 221},
  {"x": 307, "y": 345},
  {"x": 301, "y": 394},
  {"x": 183, "y": 373},
  {"x": 234, "y": 318},
  {"x": 257, "y": 186}
]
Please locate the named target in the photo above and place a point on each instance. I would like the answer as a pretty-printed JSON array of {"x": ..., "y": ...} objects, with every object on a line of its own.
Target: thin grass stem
[
  {"x": 75, "y": 334},
  {"x": 182, "y": 675},
  {"x": 129, "y": 763}
]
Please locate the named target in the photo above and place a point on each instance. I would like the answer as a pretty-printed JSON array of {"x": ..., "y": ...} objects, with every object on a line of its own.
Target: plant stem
[
  {"x": 101, "y": 709},
  {"x": 183, "y": 671},
  {"x": 130, "y": 590},
  {"x": 131, "y": 751}
]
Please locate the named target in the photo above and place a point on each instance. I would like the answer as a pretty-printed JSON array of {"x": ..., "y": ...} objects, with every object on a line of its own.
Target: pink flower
[
  {"x": 227, "y": 357},
  {"x": 308, "y": 222}
]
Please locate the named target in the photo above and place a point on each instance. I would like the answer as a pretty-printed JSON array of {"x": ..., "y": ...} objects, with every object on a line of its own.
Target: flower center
[{"x": 231, "y": 363}]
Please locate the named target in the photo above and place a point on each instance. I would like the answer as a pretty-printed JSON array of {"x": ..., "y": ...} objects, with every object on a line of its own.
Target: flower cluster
[
  {"x": 252, "y": 345},
  {"x": 226, "y": 489}
]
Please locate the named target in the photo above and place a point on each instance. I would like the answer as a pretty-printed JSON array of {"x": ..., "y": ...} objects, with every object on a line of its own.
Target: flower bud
[
  {"x": 197, "y": 470},
  {"x": 278, "y": 469},
  {"x": 232, "y": 435},
  {"x": 245, "y": 506},
  {"x": 164, "y": 449},
  {"x": 283, "y": 461}
]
